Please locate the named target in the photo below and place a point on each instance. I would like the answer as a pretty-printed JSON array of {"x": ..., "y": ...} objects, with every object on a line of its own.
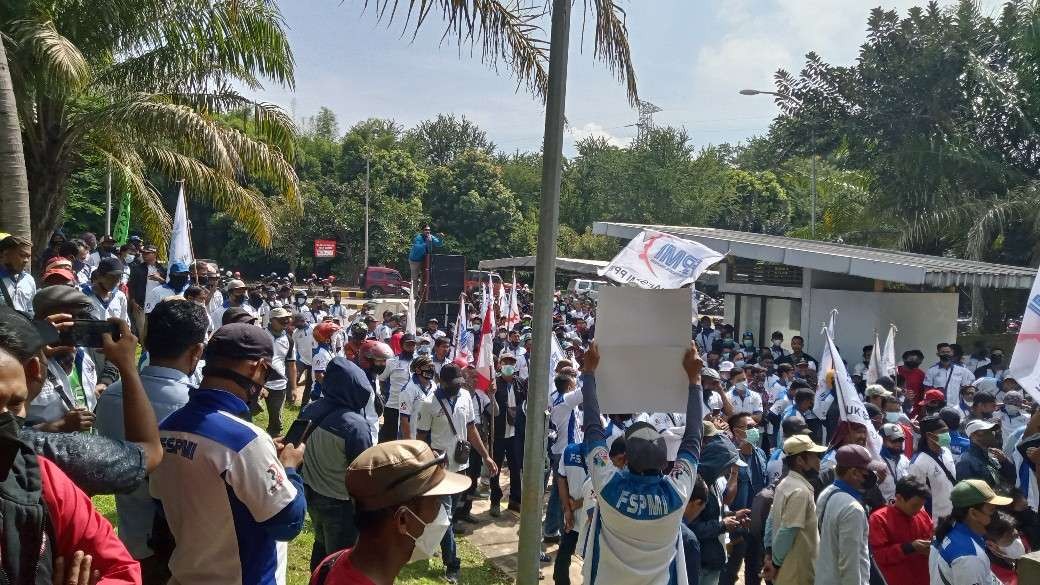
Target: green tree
[
  {"x": 753, "y": 202},
  {"x": 478, "y": 213},
  {"x": 143, "y": 85},
  {"x": 443, "y": 139}
]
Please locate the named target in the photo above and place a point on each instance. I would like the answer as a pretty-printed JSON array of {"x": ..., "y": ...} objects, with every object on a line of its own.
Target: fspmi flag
[
  {"x": 657, "y": 260},
  {"x": 850, "y": 405}
]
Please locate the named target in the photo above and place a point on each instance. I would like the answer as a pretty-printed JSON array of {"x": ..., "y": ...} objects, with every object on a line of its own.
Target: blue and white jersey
[
  {"x": 960, "y": 559},
  {"x": 230, "y": 504},
  {"x": 635, "y": 532}
]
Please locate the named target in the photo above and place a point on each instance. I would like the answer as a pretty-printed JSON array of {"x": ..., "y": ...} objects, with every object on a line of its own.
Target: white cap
[
  {"x": 726, "y": 367},
  {"x": 976, "y": 425}
]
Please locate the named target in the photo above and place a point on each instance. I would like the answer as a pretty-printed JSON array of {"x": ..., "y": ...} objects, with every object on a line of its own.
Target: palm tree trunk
[{"x": 14, "y": 184}]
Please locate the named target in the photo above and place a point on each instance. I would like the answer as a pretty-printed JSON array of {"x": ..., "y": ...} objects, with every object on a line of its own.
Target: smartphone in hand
[
  {"x": 88, "y": 333},
  {"x": 298, "y": 433}
]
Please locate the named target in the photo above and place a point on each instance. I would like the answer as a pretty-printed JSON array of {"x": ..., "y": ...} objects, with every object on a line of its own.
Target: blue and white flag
[
  {"x": 658, "y": 260},
  {"x": 180, "y": 236}
]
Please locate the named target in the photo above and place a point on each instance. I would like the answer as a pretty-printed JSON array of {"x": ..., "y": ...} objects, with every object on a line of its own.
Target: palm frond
[
  {"x": 612, "y": 45},
  {"x": 150, "y": 214},
  {"x": 246, "y": 206},
  {"x": 57, "y": 60},
  {"x": 509, "y": 34},
  {"x": 260, "y": 162}
]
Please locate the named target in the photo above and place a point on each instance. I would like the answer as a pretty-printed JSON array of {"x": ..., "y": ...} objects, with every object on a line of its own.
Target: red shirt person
[
  {"x": 912, "y": 376},
  {"x": 901, "y": 534}
]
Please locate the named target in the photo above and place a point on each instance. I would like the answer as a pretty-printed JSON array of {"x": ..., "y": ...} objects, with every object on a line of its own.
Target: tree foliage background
[{"x": 927, "y": 142}]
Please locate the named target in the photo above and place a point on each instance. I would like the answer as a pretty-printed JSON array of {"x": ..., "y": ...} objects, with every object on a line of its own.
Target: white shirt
[
  {"x": 21, "y": 288},
  {"x": 411, "y": 397},
  {"x": 116, "y": 306},
  {"x": 924, "y": 467},
  {"x": 897, "y": 470},
  {"x": 282, "y": 345},
  {"x": 431, "y": 418},
  {"x": 635, "y": 535},
  {"x": 566, "y": 418},
  {"x": 383, "y": 332},
  {"x": 160, "y": 292},
  {"x": 950, "y": 381},
  {"x": 313, "y": 317},
  {"x": 149, "y": 284},
  {"x": 750, "y": 403},
  {"x": 1010, "y": 424},
  {"x": 960, "y": 559},
  {"x": 397, "y": 374},
  {"x": 304, "y": 338}
]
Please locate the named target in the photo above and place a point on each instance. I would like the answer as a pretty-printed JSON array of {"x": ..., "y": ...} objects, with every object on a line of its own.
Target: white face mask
[
  {"x": 742, "y": 385},
  {"x": 428, "y": 543},
  {"x": 1011, "y": 410},
  {"x": 1015, "y": 550},
  {"x": 892, "y": 417}
]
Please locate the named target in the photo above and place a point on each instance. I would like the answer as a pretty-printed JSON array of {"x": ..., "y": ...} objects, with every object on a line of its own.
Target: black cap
[
  {"x": 61, "y": 299},
  {"x": 237, "y": 315},
  {"x": 27, "y": 337},
  {"x": 872, "y": 410},
  {"x": 241, "y": 341},
  {"x": 931, "y": 424},
  {"x": 451, "y": 373},
  {"x": 109, "y": 266},
  {"x": 408, "y": 338},
  {"x": 794, "y": 425},
  {"x": 887, "y": 383}
]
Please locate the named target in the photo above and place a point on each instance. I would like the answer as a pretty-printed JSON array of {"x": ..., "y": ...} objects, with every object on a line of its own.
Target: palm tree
[
  {"x": 147, "y": 85},
  {"x": 14, "y": 190}
]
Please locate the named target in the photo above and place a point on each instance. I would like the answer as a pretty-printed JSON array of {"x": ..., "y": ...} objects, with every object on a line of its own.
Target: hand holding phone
[
  {"x": 88, "y": 333},
  {"x": 298, "y": 433}
]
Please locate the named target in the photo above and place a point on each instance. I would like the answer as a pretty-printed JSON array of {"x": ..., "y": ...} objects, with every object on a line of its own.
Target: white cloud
[{"x": 594, "y": 130}]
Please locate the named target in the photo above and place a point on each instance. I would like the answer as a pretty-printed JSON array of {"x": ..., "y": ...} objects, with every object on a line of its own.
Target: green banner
[{"x": 122, "y": 228}]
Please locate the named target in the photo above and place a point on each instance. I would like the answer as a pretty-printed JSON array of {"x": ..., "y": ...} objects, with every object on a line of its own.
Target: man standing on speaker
[{"x": 422, "y": 245}]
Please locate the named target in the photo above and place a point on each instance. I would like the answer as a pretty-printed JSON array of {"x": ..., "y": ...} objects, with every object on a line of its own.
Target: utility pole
[
  {"x": 544, "y": 285},
  {"x": 367, "y": 172}
]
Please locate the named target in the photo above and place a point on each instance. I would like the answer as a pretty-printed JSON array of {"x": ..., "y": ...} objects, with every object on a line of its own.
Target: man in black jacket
[{"x": 144, "y": 276}]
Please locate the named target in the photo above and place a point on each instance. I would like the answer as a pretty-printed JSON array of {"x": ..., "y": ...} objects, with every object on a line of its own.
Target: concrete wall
[{"x": 923, "y": 319}]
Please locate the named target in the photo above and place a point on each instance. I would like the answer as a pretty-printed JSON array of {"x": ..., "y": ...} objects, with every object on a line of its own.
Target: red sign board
[{"x": 324, "y": 248}]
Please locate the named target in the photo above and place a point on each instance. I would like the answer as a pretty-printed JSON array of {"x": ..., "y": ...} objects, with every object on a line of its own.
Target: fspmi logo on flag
[
  {"x": 658, "y": 260},
  {"x": 1034, "y": 304}
]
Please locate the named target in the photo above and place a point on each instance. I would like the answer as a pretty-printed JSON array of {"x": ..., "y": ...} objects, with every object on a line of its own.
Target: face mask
[
  {"x": 776, "y": 343},
  {"x": 754, "y": 436},
  {"x": 378, "y": 369},
  {"x": 911, "y": 363},
  {"x": 985, "y": 415},
  {"x": 749, "y": 343},
  {"x": 742, "y": 386},
  {"x": 501, "y": 335},
  {"x": 739, "y": 363},
  {"x": 429, "y": 541},
  {"x": 996, "y": 359},
  {"x": 945, "y": 359},
  {"x": 424, "y": 350},
  {"x": 129, "y": 258},
  {"x": 178, "y": 280},
  {"x": 943, "y": 439},
  {"x": 892, "y": 417},
  {"x": 811, "y": 474},
  {"x": 508, "y": 370},
  {"x": 969, "y": 402},
  {"x": 1011, "y": 410},
  {"x": 406, "y": 355},
  {"x": 1015, "y": 550}
]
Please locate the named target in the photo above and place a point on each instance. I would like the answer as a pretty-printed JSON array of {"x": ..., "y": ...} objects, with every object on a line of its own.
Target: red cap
[
  {"x": 460, "y": 362},
  {"x": 933, "y": 394},
  {"x": 63, "y": 273}
]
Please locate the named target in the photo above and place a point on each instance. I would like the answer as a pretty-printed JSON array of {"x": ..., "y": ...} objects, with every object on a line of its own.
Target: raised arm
[
  {"x": 590, "y": 401},
  {"x": 139, "y": 423},
  {"x": 691, "y": 441}
]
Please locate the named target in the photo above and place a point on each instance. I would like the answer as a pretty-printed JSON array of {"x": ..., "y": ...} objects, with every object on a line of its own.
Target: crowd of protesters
[{"x": 761, "y": 478}]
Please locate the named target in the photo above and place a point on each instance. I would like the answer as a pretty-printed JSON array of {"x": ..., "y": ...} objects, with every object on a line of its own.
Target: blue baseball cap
[{"x": 178, "y": 266}]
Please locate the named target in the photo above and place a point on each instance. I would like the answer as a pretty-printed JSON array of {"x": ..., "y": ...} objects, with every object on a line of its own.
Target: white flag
[
  {"x": 874, "y": 366},
  {"x": 850, "y": 406},
  {"x": 514, "y": 306},
  {"x": 409, "y": 326},
  {"x": 1025, "y": 362},
  {"x": 556, "y": 354},
  {"x": 461, "y": 339},
  {"x": 502, "y": 301},
  {"x": 657, "y": 260},
  {"x": 888, "y": 354},
  {"x": 180, "y": 237}
]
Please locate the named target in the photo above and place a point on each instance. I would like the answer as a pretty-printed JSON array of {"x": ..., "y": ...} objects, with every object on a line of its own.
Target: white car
[{"x": 580, "y": 286}]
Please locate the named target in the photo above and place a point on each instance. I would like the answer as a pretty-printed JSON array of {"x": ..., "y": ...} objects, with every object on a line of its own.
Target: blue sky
[{"x": 691, "y": 59}]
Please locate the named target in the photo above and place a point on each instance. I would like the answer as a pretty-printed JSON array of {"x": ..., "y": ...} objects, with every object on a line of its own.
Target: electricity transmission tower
[{"x": 646, "y": 118}]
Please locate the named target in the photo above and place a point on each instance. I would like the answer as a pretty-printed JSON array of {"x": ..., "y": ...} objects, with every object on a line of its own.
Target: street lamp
[{"x": 812, "y": 131}]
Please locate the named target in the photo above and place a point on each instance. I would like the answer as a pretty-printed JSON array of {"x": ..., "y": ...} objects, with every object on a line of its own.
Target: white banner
[
  {"x": 888, "y": 354},
  {"x": 850, "y": 406},
  {"x": 656, "y": 260},
  {"x": 1025, "y": 362},
  {"x": 874, "y": 366},
  {"x": 180, "y": 237}
]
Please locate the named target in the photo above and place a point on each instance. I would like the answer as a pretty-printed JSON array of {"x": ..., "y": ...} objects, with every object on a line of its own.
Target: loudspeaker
[
  {"x": 447, "y": 277},
  {"x": 445, "y": 312}
]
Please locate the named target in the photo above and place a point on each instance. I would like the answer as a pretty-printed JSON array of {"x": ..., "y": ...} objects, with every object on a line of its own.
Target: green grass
[{"x": 475, "y": 567}]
